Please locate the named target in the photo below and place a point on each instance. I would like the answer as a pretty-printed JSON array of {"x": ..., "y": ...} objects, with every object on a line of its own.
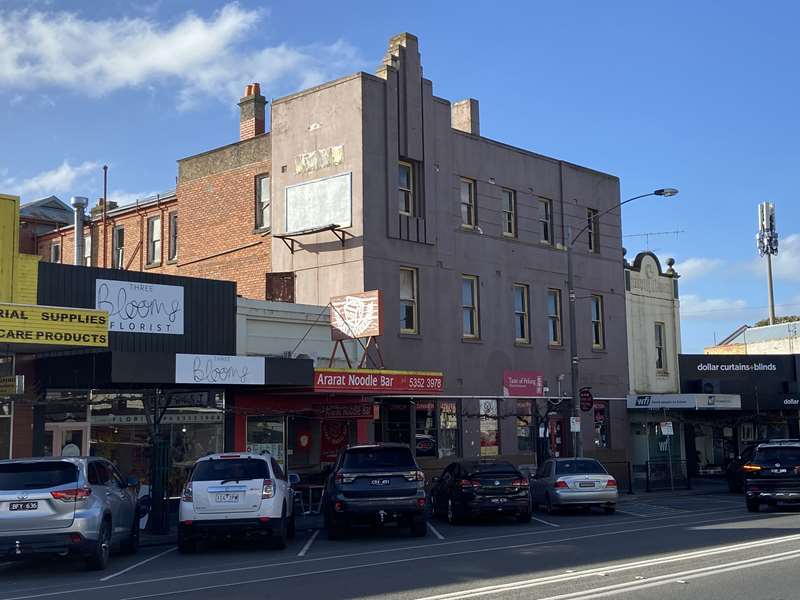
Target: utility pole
[{"x": 767, "y": 240}]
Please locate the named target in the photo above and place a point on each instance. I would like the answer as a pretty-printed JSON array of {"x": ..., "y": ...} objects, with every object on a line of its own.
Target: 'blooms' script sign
[{"x": 135, "y": 307}]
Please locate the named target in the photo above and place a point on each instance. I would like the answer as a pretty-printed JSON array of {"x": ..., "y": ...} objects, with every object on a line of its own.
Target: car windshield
[
  {"x": 230, "y": 469},
  {"x": 776, "y": 454},
  {"x": 579, "y": 467},
  {"x": 378, "y": 458},
  {"x": 496, "y": 468},
  {"x": 36, "y": 475}
]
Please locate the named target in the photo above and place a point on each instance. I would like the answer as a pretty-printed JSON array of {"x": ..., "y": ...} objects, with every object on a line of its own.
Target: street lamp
[{"x": 573, "y": 343}]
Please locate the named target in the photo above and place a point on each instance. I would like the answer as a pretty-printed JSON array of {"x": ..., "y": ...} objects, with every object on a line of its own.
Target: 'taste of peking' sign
[
  {"x": 356, "y": 315},
  {"x": 377, "y": 380}
]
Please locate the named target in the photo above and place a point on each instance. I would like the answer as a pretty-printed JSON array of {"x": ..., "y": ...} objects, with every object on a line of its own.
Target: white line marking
[
  {"x": 174, "y": 577},
  {"x": 139, "y": 564},
  {"x": 308, "y": 543},
  {"x": 545, "y": 522},
  {"x": 633, "y": 514},
  {"x": 435, "y": 531}
]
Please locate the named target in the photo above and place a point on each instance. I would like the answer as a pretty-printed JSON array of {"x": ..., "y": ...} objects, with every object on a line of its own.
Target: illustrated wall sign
[
  {"x": 321, "y": 158},
  {"x": 356, "y": 315},
  {"x": 135, "y": 307},
  {"x": 220, "y": 370}
]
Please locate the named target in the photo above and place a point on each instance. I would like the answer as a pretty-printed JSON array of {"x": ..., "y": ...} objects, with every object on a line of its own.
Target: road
[{"x": 705, "y": 547}]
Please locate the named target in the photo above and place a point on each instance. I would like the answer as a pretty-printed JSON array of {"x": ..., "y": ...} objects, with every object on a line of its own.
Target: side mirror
[
  {"x": 294, "y": 478},
  {"x": 132, "y": 482}
]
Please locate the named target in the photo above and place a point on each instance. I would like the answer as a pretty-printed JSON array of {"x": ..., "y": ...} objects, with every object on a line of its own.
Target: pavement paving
[{"x": 679, "y": 546}]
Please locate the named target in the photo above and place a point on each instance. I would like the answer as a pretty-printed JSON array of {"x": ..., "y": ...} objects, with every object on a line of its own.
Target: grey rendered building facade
[{"x": 366, "y": 126}]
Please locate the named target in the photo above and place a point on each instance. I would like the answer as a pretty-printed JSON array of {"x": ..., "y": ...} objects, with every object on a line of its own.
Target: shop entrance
[{"x": 66, "y": 439}]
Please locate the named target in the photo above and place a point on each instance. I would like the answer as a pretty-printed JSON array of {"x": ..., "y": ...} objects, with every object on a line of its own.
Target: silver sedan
[{"x": 578, "y": 482}]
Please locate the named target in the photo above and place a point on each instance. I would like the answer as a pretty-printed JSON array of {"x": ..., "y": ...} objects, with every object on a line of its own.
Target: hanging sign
[
  {"x": 356, "y": 315},
  {"x": 586, "y": 398}
]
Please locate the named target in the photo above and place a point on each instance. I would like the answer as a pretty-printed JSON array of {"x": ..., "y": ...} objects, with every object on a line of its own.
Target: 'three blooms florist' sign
[
  {"x": 135, "y": 307},
  {"x": 374, "y": 380},
  {"x": 356, "y": 315},
  {"x": 220, "y": 370},
  {"x": 523, "y": 383}
]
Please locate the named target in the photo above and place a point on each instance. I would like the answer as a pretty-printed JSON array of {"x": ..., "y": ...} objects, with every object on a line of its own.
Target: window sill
[
  {"x": 663, "y": 374},
  {"x": 599, "y": 350},
  {"x": 521, "y": 344},
  {"x": 172, "y": 261},
  {"x": 262, "y": 230},
  {"x": 410, "y": 335},
  {"x": 556, "y": 347},
  {"x": 153, "y": 265},
  {"x": 471, "y": 340}
]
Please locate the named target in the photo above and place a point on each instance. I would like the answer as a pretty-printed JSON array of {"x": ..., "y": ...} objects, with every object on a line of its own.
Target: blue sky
[{"x": 701, "y": 96}]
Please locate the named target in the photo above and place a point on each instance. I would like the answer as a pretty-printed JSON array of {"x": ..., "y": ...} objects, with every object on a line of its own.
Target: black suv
[
  {"x": 373, "y": 485},
  {"x": 773, "y": 475}
]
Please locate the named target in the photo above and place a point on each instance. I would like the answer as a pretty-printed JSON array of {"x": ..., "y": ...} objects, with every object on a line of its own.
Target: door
[
  {"x": 442, "y": 490},
  {"x": 66, "y": 439},
  {"x": 104, "y": 489}
]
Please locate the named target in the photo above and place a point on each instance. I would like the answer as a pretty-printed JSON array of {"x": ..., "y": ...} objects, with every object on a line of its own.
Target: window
[
  {"x": 262, "y": 202},
  {"x": 661, "y": 357},
  {"x": 600, "y": 409},
  {"x": 598, "y": 333},
  {"x": 469, "y": 306},
  {"x": 154, "y": 240},
  {"x": 405, "y": 189},
  {"x": 87, "y": 251},
  {"x": 554, "y": 317},
  {"x": 55, "y": 252},
  {"x": 509, "y": 199},
  {"x": 546, "y": 220},
  {"x": 521, "y": 314},
  {"x": 173, "y": 236},
  {"x": 490, "y": 430},
  {"x": 592, "y": 231},
  {"x": 408, "y": 300},
  {"x": 436, "y": 441},
  {"x": 448, "y": 428},
  {"x": 525, "y": 437},
  {"x": 467, "y": 197},
  {"x": 118, "y": 248}
]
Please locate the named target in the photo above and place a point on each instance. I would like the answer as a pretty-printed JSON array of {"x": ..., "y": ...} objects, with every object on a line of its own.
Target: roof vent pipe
[{"x": 78, "y": 204}]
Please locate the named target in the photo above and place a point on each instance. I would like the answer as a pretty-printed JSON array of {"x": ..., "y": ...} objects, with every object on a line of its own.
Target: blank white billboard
[{"x": 318, "y": 203}]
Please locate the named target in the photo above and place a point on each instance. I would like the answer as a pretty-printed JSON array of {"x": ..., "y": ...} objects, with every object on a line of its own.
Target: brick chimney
[
  {"x": 464, "y": 116},
  {"x": 252, "y": 106}
]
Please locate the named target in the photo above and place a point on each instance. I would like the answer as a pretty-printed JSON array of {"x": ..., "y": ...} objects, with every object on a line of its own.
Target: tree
[{"x": 778, "y": 320}]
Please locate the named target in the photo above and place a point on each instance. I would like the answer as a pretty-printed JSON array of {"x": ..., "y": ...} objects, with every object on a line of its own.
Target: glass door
[
  {"x": 267, "y": 434},
  {"x": 66, "y": 439}
]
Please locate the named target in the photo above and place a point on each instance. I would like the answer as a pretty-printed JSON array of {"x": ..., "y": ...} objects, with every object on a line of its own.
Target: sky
[{"x": 701, "y": 96}]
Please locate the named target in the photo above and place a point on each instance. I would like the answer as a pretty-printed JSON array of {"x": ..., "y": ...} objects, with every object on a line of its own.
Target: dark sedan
[{"x": 469, "y": 489}]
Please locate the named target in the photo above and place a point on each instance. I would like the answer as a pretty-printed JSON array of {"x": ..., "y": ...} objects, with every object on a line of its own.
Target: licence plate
[
  {"x": 379, "y": 482},
  {"x": 23, "y": 506},
  {"x": 499, "y": 500},
  {"x": 778, "y": 470},
  {"x": 226, "y": 498},
  {"x": 586, "y": 484}
]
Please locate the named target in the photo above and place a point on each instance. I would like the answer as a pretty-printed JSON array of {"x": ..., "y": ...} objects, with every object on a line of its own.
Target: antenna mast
[{"x": 767, "y": 240}]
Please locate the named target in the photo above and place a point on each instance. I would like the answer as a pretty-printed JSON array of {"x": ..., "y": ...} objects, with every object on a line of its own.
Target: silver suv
[{"x": 63, "y": 506}]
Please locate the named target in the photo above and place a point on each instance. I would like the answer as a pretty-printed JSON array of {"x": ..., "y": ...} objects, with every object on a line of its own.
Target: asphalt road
[{"x": 699, "y": 547}]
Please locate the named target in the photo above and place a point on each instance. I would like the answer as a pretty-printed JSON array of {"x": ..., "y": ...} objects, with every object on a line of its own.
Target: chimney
[
  {"x": 464, "y": 116},
  {"x": 252, "y": 106},
  {"x": 78, "y": 204}
]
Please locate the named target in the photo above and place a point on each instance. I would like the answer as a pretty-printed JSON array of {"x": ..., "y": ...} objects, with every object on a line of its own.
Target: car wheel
[
  {"x": 419, "y": 526},
  {"x": 278, "y": 540},
  {"x": 131, "y": 545},
  {"x": 291, "y": 528},
  {"x": 548, "y": 505},
  {"x": 98, "y": 559},
  {"x": 753, "y": 505},
  {"x": 610, "y": 510},
  {"x": 524, "y": 517},
  {"x": 452, "y": 516}
]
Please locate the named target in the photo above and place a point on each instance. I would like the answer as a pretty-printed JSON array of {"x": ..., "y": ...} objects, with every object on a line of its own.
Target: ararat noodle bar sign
[
  {"x": 53, "y": 325},
  {"x": 220, "y": 370},
  {"x": 376, "y": 380},
  {"x": 356, "y": 315},
  {"x": 135, "y": 307}
]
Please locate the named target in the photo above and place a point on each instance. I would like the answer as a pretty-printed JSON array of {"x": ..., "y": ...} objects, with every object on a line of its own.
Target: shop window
[
  {"x": 546, "y": 220},
  {"x": 490, "y": 427},
  {"x": 267, "y": 434},
  {"x": 469, "y": 306},
  {"x": 525, "y": 434},
  {"x": 437, "y": 438},
  {"x": 118, "y": 248},
  {"x": 154, "y": 241},
  {"x": 554, "y": 317},
  {"x": 408, "y": 300},
  {"x": 598, "y": 327},
  {"x": 448, "y": 429},
  {"x": 405, "y": 189},
  {"x": 593, "y": 229},
  {"x": 509, "y": 205},
  {"x": 522, "y": 333},
  {"x": 467, "y": 202},
  {"x": 262, "y": 202},
  {"x": 601, "y": 439}
]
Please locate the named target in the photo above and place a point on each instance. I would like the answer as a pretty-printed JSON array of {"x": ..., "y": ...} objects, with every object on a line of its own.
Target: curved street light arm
[{"x": 605, "y": 212}]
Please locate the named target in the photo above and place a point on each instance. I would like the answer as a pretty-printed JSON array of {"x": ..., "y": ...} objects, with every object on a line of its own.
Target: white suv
[{"x": 236, "y": 496}]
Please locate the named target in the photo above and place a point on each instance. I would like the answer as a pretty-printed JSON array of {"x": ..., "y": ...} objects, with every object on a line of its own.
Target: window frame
[
  {"x": 472, "y": 205},
  {"x": 414, "y": 301},
  {"x": 557, "y": 317},
  {"x": 410, "y": 195},
  {"x": 172, "y": 242},
  {"x": 509, "y": 214},
  {"x": 87, "y": 250},
  {"x": 53, "y": 245},
  {"x": 117, "y": 262},
  {"x": 526, "y": 313},
  {"x": 261, "y": 207},
  {"x": 546, "y": 222},
  {"x": 154, "y": 246},
  {"x": 662, "y": 355},
  {"x": 474, "y": 308},
  {"x": 593, "y": 230},
  {"x": 598, "y": 325}
]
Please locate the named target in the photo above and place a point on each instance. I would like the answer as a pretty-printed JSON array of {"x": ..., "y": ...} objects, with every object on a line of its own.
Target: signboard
[
  {"x": 718, "y": 401},
  {"x": 12, "y": 385},
  {"x": 372, "y": 380},
  {"x": 587, "y": 400},
  {"x": 53, "y": 326},
  {"x": 358, "y": 410},
  {"x": 356, "y": 315},
  {"x": 575, "y": 424},
  {"x": 711, "y": 366},
  {"x": 319, "y": 203},
  {"x": 666, "y": 428},
  {"x": 685, "y": 402},
  {"x": 523, "y": 383},
  {"x": 135, "y": 307},
  {"x": 219, "y": 370}
]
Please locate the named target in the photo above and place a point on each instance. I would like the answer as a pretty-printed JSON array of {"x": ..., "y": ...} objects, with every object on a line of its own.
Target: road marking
[
  {"x": 605, "y": 570},
  {"x": 435, "y": 531},
  {"x": 308, "y": 543},
  {"x": 139, "y": 564},
  {"x": 633, "y": 514},
  {"x": 545, "y": 522},
  {"x": 174, "y": 577}
]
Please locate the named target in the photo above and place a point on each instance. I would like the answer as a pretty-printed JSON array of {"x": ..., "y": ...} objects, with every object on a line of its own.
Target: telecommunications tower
[{"x": 767, "y": 239}]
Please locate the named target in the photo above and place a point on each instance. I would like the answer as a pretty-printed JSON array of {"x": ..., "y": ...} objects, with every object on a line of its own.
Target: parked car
[
  {"x": 373, "y": 485},
  {"x": 773, "y": 475},
  {"x": 734, "y": 473},
  {"x": 426, "y": 445},
  {"x": 573, "y": 482},
  {"x": 236, "y": 496},
  {"x": 469, "y": 489},
  {"x": 59, "y": 506}
]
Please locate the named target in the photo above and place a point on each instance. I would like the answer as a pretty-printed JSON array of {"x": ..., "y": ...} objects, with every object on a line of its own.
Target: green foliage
[{"x": 778, "y": 320}]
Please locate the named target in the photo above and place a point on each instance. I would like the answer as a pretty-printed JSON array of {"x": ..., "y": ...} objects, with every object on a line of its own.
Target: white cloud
[
  {"x": 713, "y": 309},
  {"x": 200, "y": 56},
  {"x": 59, "y": 180},
  {"x": 692, "y": 268}
]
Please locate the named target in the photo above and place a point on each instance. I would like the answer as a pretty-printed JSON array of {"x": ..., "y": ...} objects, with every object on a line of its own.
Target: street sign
[
  {"x": 574, "y": 424},
  {"x": 666, "y": 428},
  {"x": 587, "y": 400}
]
